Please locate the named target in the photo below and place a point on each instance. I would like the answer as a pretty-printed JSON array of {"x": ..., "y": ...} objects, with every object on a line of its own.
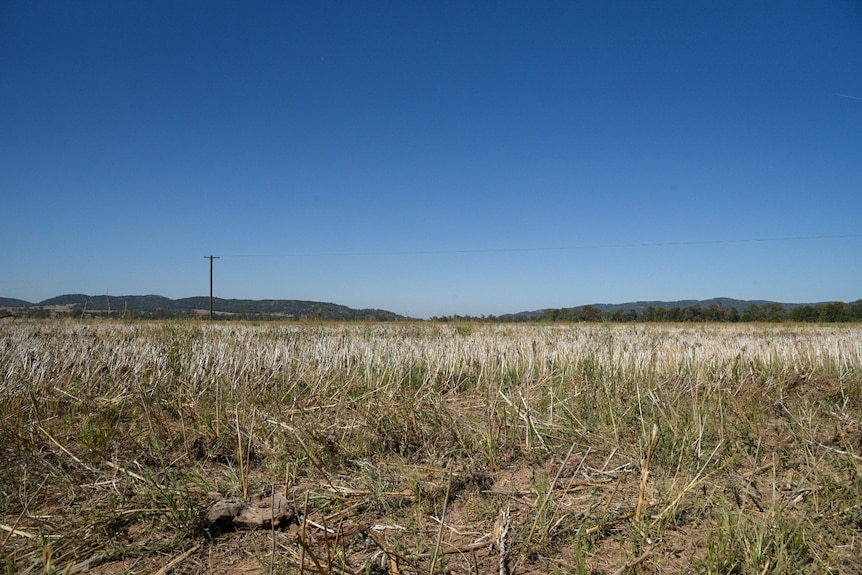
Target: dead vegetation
[{"x": 420, "y": 448}]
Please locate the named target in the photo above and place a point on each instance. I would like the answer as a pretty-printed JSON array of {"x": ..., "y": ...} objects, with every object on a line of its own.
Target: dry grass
[{"x": 432, "y": 448}]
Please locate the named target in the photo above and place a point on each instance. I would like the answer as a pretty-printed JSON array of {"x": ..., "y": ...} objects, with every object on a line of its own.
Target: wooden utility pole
[{"x": 211, "y": 258}]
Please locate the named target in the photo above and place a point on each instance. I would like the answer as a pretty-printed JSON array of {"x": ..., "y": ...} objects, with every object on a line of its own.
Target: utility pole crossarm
[{"x": 211, "y": 258}]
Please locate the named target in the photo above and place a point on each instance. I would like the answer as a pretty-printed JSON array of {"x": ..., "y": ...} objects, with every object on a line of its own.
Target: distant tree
[
  {"x": 753, "y": 313},
  {"x": 692, "y": 313},
  {"x": 590, "y": 313},
  {"x": 649, "y": 314},
  {"x": 715, "y": 312},
  {"x": 551, "y": 315},
  {"x": 674, "y": 314},
  {"x": 804, "y": 313},
  {"x": 856, "y": 310},
  {"x": 663, "y": 314},
  {"x": 774, "y": 312},
  {"x": 621, "y": 316},
  {"x": 570, "y": 314},
  {"x": 834, "y": 312}
]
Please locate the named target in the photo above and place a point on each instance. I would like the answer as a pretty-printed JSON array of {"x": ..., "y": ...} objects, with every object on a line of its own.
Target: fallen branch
[
  {"x": 571, "y": 487},
  {"x": 636, "y": 562},
  {"x": 609, "y": 522},
  {"x": 86, "y": 565},
  {"x": 390, "y": 552},
  {"x": 126, "y": 472},
  {"x": 349, "y": 491},
  {"x": 839, "y": 451},
  {"x": 177, "y": 560},
  {"x": 18, "y": 532},
  {"x": 311, "y": 554},
  {"x": 411, "y": 561},
  {"x": 451, "y": 550},
  {"x": 69, "y": 453}
]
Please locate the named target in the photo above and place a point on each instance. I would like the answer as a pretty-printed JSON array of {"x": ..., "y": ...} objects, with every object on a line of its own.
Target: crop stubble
[{"x": 432, "y": 447}]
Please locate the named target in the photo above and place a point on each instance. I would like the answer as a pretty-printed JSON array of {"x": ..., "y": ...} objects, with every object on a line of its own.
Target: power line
[{"x": 546, "y": 248}]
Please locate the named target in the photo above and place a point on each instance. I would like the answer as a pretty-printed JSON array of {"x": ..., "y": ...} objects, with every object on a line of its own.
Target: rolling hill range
[
  {"x": 725, "y": 302},
  {"x": 155, "y": 306},
  {"x": 159, "y": 306},
  {"x": 642, "y": 306}
]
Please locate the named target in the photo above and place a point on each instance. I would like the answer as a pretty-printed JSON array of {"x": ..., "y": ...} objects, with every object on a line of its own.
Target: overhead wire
[{"x": 624, "y": 245}]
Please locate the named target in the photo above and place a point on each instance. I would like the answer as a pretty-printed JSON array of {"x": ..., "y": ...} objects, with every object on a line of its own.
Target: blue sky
[{"x": 432, "y": 158}]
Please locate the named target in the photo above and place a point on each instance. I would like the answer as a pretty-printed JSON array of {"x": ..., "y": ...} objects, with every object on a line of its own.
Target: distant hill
[
  {"x": 156, "y": 306},
  {"x": 159, "y": 306},
  {"x": 641, "y": 306},
  {"x": 725, "y": 302},
  {"x": 12, "y": 302},
  {"x": 148, "y": 303}
]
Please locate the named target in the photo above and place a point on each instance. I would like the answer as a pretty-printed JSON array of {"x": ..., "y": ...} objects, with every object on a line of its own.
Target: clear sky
[{"x": 432, "y": 157}]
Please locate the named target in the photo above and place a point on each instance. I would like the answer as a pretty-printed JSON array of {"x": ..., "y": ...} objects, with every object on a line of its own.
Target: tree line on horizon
[{"x": 830, "y": 312}]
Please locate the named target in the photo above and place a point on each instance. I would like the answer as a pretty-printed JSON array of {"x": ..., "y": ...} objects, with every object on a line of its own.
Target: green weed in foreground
[{"x": 770, "y": 545}]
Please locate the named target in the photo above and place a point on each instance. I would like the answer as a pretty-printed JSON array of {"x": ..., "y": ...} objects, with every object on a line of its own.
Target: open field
[{"x": 431, "y": 448}]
